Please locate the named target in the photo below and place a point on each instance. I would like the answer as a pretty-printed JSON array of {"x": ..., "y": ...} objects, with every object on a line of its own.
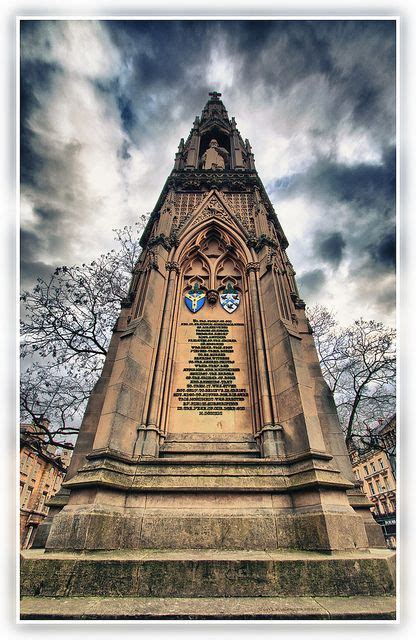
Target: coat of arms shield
[
  {"x": 229, "y": 299},
  {"x": 195, "y": 298}
]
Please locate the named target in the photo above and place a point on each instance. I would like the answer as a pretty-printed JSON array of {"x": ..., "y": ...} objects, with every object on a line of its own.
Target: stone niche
[{"x": 210, "y": 386}]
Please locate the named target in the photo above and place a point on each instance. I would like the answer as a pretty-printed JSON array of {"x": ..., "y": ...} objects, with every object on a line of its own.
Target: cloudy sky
[{"x": 104, "y": 104}]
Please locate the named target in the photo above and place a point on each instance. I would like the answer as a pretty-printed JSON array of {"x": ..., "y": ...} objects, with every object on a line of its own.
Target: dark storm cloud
[
  {"x": 277, "y": 56},
  {"x": 37, "y": 74},
  {"x": 362, "y": 84},
  {"x": 34, "y": 88},
  {"x": 127, "y": 114},
  {"x": 330, "y": 247},
  {"x": 49, "y": 177},
  {"x": 311, "y": 282},
  {"x": 358, "y": 204},
  {"x": 161, "y": 56},
  {"x": 302, "y": 50},
  {"x": 157, "y": 49},
  {"x": 30, "y": 266},
  {"x": 363, "y": 185},
  {"x": 386, "y": 298},
  {"x": 34, "y": 269},
  {"x": 29, "y": 243},
  {"x": 385, "y": 251}
]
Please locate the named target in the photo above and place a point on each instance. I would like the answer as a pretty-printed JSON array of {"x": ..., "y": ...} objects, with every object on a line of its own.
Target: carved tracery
[{"x": 213, "y": 260}]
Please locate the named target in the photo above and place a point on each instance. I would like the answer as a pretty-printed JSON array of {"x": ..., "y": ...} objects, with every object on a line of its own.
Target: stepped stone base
[
  {"x": 351, "y": 608},
  {"x": 209, "y": 446},
  {"x": 206, "y": 574},
  {"x": 120, "y": 502},
  {"x": 207, "y": 584}
]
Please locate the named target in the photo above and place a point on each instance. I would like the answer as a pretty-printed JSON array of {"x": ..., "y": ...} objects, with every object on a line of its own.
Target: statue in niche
[{"x": 214, "y": 157}]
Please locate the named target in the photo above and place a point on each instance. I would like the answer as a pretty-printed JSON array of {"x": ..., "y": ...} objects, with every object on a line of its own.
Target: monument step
[
  {"x": 226, "y": 456},
  {"x": 206, "y": 573},
  {"x": 210, "y": 437},
  {"x": 304, "y": 608},
  {"x": 210, "y": 447}
]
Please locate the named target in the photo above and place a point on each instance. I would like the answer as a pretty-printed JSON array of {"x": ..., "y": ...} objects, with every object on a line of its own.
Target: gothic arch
[
  {"x": 194, "y": 235},
  {"x": 216, "y": 248}
]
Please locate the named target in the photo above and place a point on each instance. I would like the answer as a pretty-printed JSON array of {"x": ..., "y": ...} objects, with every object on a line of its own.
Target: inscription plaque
[{"x": 210, "y": 381}]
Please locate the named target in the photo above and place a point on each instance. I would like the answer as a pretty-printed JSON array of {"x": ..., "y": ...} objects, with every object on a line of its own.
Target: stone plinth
[
  {"x": 207, "y": 573},
  {"x": 199, "y": 574},
  {"x": 226, "y": 503}
]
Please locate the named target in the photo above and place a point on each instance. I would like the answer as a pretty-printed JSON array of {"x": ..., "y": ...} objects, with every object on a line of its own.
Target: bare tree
[
  {"x": 65, "y": 330},
  {"x": 359, "y": 365}
]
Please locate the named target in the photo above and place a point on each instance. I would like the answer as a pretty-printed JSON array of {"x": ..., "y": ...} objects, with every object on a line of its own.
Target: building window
[
  {"x": 27, "y": 496},
  {"x": 366, "y": 470},
  {"x": 370, "y": 484},
  {"x": 381, "y": 463},
  {"x": 34, "y": 470},
  {"x": 357, "y": 474},
  {"x": 379, "y": 487},
  {"x": 373, "y": 467},
  {"x": 26, "y": 463}
]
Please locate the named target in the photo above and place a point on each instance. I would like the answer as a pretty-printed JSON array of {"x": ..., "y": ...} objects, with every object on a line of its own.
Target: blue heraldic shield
[{"x": 195, "y": 298}]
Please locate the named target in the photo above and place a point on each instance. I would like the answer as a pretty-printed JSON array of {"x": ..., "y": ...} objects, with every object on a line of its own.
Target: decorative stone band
[{"x": 252, "y": 266}]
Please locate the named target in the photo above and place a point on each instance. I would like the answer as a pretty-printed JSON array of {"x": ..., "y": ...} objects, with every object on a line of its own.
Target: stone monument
[{"x": 210, "y": 462}]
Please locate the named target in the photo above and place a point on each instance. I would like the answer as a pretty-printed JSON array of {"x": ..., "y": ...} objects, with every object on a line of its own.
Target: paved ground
[{"x": 341, "y": 608}]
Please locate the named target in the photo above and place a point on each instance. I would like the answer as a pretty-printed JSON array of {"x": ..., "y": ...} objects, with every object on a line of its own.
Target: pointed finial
[{"x": 215, "y": 95}]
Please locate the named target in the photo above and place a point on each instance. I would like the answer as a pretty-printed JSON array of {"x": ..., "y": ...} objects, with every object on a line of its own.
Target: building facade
[
  {"x": 375, "y": 468},
  {"x": 41, "y": 476}
]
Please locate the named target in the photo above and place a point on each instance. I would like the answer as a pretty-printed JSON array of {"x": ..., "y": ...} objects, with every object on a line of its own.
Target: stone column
[
  {"x": 148, "y": 440},
  {"x": 267, "y": 432}
]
